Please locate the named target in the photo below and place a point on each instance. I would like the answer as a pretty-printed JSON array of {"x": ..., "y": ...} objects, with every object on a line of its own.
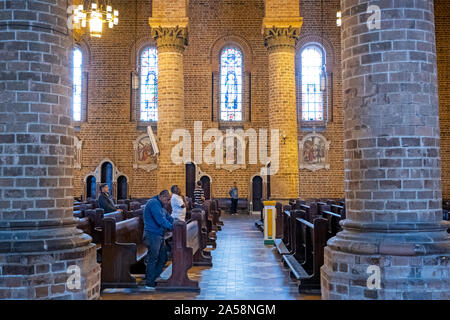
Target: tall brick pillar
[
  {"x": 392, "y": 160},
  {"x": 280, "y": 39},
  {"x": 39, "y": 241},
  {"x": 171, "y": 40}
]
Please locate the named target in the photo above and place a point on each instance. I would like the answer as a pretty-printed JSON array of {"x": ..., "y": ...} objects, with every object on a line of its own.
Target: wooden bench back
[{"x": 127, "y": 231}]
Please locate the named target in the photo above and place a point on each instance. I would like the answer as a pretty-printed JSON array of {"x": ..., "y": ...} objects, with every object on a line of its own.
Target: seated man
[{"x": 105, "y": 201}]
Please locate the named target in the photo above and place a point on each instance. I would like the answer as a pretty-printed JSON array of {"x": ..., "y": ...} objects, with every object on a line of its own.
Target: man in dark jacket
[
  {"x": 156, "y": 221},
  {"x": 105, "y": 201}
]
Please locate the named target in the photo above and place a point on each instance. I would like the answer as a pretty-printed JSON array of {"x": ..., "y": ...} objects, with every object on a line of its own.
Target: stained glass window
[
  {"x": 231, "y": 84},
  {"x": 149, "y": 84},
  {"x": 77, "y": 83},
  {"x": 312, "y": 96}
]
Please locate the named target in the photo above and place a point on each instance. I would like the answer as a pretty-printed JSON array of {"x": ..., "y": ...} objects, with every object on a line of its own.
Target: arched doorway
[
  {"x": 190, "y": 180},
  {"x": 91, "y": 187},
  {"x": 257, "y": 193},
  {"x": 122, "y": 188},
  {"x": 107, "y": 175},
  {"x": 206, "y": 185}
]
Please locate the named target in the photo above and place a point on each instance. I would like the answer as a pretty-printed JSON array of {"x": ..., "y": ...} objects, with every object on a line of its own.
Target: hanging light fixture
[{"x": 96, "y": 13}]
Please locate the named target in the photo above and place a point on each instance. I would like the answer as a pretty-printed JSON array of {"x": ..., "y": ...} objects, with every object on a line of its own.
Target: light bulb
[
  {"x": 108, "y": 8},
  {"x": 116, "y": 13},
  {"x": 80, "y": 7},
  {"x": 83, "y": 23},
  {"x": 116, "y": 21},
  {"x": 111, "y": 24},
  {"x": 108, "y": 16},
  {"x": 96, "y": 25},
  {"x": 94, "y": 6}
]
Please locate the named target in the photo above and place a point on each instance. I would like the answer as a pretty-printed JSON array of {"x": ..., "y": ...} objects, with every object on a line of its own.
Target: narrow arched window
[
  {"x": 149, "y": 84},
  {"x": 77, "y": 83},
  {"x": 231, "y": 84},
  {"x": 312, "y": 68}
]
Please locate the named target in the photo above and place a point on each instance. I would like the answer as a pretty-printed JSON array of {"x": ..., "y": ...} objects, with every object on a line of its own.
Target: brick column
[
  {"x": 39, "y": 240},
  {"x": 392, "y": 159},
  {"x": 171, "y": 41},
  {"x": 280, "y": 39}
]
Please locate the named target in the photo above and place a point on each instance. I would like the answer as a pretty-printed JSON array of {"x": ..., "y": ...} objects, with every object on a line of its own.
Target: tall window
[
  {"x": 312, "y": 97},
  {"x": 149, "y": 84},
  {"x": 77, "y": 83},
  {"x": 231, "y": 84}
]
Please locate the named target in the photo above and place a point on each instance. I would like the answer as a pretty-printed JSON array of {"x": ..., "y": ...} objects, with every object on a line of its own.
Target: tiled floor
[{"x": 243, "y": 269}]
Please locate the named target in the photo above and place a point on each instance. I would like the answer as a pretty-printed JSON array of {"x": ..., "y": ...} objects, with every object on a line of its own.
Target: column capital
[
  {"x": 281, "y": 33},
  {"x": 170, "y": 34}
]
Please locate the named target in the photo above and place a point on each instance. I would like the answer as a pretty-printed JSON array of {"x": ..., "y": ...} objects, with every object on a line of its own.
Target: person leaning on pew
[
  {"x": 156, "y": 221},
  {"x": 105, "y": 201}
]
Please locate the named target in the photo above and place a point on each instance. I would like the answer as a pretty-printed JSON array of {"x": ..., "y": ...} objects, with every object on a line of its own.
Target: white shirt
[{"x": 177, "y": 210}]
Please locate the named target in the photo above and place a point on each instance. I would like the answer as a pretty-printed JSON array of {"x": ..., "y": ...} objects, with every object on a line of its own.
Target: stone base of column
[
  {"x": 47, "y": 275},
  {"x": 421, "y": 276}
]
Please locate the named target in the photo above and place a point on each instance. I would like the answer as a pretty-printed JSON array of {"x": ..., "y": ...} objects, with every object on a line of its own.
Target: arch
[
  {"x": 324, "y": 43},
  {"x": 122, "y": 187},
  {"x": 136, "y": 51},
  {"x": 231, "y": 40},
  {"x": 257, "y": 192},
  {"x": 106, "y": 173},
  {"x": 206, "y": 185},
  {"x": 86, "y": 50},
  {"x": 190, "y": 179},
  {"x": 91, "y": 187}
]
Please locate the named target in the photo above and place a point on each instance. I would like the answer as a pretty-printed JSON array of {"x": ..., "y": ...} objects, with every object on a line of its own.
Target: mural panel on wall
[
  {"x": 78, "y": 144},
  {"x": 313, "y": 152},
  {"x": 145, "y": 156}
]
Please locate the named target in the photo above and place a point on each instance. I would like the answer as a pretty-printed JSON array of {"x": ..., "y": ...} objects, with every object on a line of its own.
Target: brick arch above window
[
  {"x": 137, "y": 48},
  {"x": 322, "y": 42},
  {"x": 229, "y": 41}
]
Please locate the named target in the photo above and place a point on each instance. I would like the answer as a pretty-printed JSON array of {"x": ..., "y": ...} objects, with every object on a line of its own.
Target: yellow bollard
[{"x": 270, "y": 214}]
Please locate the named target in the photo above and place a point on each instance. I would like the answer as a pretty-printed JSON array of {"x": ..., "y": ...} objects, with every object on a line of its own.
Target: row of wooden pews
[
  {"x": 303, "y": 229},
  {"x": 119, "y": 237}
]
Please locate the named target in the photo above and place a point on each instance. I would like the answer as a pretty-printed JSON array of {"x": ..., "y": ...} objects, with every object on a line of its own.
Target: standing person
[
  {"x": 178, "y": 204},
  {"x": 156, "y": 221},
  {"x": 105, "y": 201},
  {"x": 199, "y": 195},
  {"x": 234, "y": 198}
]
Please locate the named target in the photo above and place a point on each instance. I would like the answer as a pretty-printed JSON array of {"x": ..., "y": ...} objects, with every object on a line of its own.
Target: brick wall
[
  {"x": 109, "y": 132},
  {"x": 442, "y": 7}
]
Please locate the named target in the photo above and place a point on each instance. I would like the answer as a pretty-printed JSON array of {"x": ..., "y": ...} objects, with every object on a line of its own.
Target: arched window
[
  {"x": 107, "y": 175},
  {"x": 77, "y": 83},
  {"x": 312, "y": 66},
  {"x": 231, "y": 84},
  {"x": 91, "y": 186},
  {"x": 149, "y": 84}
]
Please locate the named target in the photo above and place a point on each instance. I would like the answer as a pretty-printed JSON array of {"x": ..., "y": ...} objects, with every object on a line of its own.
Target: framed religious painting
[
  {"x": 313, "y": 152},
  {"x": 145, "y": 156}
]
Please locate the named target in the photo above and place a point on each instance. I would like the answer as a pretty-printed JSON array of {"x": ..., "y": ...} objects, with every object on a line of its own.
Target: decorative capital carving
[
  {"x": 275, "y": 37},
  {"x": 170, "y": 38}
]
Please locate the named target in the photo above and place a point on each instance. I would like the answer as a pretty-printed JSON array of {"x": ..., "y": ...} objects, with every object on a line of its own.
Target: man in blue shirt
[
  {"x": 234, "y": 198},
  {"x": 156, "y": 221}
]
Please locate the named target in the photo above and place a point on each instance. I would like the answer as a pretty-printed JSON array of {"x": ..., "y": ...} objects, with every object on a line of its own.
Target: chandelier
[{"x": 96, "y": 13}]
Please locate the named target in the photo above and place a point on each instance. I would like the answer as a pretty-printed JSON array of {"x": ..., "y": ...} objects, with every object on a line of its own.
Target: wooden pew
[
  {"x": 123, "y": 246},
  {"x": 340, "y": 210},
  {"x": 215, "y": 215},
  {"x": 305, "y": 264},
  {"x": 85, "y": 225},
  {"x": 283, "y": 244},
  {"x": 333, "y": 226},
  {"x": 219, "y": 212},
  {"x": 209, "y": 240},
  {"x": 187, "y": 251}
]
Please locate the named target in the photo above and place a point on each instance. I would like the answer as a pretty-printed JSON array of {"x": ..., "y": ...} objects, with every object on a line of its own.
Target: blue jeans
[{"x": 156, "y": 257}]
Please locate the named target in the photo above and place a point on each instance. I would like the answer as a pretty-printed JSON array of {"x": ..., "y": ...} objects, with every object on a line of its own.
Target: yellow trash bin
[{"x": 270, "y": 214}]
